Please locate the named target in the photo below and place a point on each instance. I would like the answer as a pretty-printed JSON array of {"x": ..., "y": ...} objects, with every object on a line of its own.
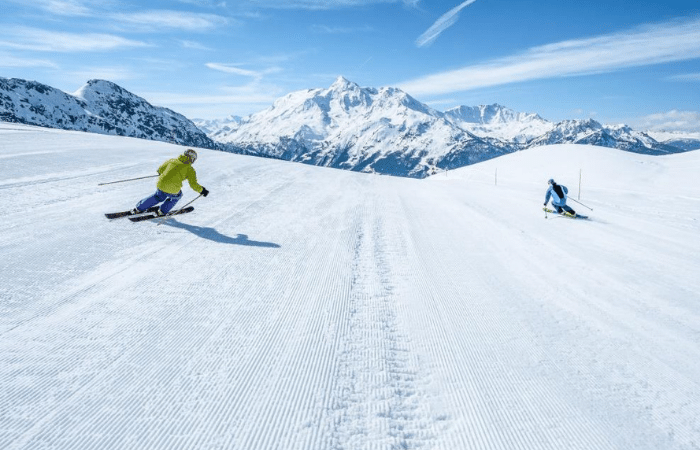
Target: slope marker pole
[{"x": 579, "y": 183}]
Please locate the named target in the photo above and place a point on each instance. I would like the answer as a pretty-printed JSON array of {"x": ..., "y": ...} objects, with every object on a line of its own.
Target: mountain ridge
[
  {"x": 330, "y": 127},
  {"x": 375, "y": 130},
  {"x": 99, "y": 106}
]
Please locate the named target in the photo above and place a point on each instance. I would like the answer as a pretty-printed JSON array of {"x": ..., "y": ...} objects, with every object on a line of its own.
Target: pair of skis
[
  {"x": 564, "y": 214},
  {"x": 147, "y": 214}
]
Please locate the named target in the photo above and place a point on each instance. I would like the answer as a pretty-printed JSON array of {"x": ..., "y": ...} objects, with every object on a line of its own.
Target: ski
[
  {"x": 566, "y": 214},
  {"x": 153, "y": 216},
  {"x": 117, "y": 215}
]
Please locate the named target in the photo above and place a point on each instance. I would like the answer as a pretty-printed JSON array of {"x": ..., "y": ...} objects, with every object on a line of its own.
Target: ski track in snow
[
  {"x": 377, "y": 397},
  {"x": 309, "y": 308}
]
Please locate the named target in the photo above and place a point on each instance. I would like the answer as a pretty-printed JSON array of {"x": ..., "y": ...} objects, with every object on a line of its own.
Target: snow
[{"x": 301, "y": 307}]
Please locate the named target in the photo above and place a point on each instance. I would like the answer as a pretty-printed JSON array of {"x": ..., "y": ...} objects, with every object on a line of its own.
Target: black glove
[{"x": 204, "y": 191}]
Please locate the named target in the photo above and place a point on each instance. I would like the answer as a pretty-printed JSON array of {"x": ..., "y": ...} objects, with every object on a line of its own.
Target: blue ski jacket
[{"x": 557, "y": 199}]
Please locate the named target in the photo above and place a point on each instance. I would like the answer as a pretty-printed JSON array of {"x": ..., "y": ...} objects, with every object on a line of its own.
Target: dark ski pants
[
  {"x": 560, "y": 208},
  {"x": 169, "y": 200}
]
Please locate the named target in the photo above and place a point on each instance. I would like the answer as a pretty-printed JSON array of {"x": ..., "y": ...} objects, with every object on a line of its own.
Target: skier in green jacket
[{"x": 173, "y": 173}]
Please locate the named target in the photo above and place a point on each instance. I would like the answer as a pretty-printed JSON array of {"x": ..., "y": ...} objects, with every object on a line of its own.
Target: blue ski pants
[{"x": 169, "y": 200}]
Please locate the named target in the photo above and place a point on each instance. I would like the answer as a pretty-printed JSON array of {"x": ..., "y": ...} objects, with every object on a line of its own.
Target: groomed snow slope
[{"x": 301, "y": 307}]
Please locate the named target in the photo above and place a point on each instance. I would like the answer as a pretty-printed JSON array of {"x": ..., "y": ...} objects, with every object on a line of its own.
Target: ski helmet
[
  {"x": 551, "y": 181},
  {"x": 191, "y": 155}
]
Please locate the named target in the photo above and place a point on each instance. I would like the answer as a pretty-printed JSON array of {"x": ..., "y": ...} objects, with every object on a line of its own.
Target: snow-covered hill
[
  {"x": 387, "y": 131},
  {"x": 98, "y": 107},
  {"x": 306, "y": 308}
]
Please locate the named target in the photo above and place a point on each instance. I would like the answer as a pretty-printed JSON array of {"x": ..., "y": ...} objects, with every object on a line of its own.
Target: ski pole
[
  {"x": 581, "y": 203},
  {"x": 162, "y": 219},
  {"x": 187, "y": 204},
  {"x": 130, "y": 179}
]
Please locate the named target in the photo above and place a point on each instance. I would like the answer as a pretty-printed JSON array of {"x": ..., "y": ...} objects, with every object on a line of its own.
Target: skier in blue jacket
[{"x": 558, "y": 195}]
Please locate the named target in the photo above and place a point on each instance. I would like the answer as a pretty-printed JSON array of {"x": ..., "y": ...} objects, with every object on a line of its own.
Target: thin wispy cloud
[
  {"x": 651, "y": 44},
  {"x": 148, "y": 20},
  {"x": 192, "y": 45},
  {"x": 279, "y": 58},
  {"x": 68, "y": 8},
  {"x": 12, "y": 61},
  {"x": 686, "y": 77},
  {"x": 444, "y": 22},
  {"x": 204, "y": 3},
  {"x": 239, "y": 100},
  {"x": 673, "y": 120},
  {"x": 325, "y": 29},
  {"x": 244, "y": 96},
  {"x": 157, "y": 20},
  {"x": 113, "y": 73},
  {"x": 323, "y": 4},
  {"x": 235, "y": 70},
  {"x": 232, "y": 70},
  {"x": 25, "y": 38}
]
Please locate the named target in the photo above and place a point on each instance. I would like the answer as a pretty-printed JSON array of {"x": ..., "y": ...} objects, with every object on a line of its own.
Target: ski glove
[{"x": 204, "y": 191}]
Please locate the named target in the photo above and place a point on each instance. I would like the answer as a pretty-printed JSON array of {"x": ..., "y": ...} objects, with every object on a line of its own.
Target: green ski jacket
[{"x": 172, "y": 174}]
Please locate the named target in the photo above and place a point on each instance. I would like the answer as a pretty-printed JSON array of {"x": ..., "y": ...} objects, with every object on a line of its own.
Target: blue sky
[{"x": 636, "y": 62}]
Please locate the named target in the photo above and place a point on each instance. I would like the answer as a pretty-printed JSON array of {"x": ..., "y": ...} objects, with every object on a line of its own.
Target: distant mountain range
[
  {"x": 387, "y": 131},
  {"x": 98, "y": 107},
  {"x": 375, "y": 130}
]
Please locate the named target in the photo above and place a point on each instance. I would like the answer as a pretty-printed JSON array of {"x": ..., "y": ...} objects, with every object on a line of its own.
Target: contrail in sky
[{"x": 444, "y": 22}]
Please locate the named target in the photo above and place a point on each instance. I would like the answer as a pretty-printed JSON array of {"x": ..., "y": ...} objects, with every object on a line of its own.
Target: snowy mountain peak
[
  {"x": 214, "y": 127},
  {"x": 490, "y": 114},
  {"x": 620, "y": 129},
  {"x": 583, "y": 123},
  {"x": 343, "y": 84},
  {"x": 95, "y": 89},
  {"x": 499, "y": 122}
]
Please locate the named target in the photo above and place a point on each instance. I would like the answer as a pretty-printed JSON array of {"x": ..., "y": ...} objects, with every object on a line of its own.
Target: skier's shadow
[{"x": 213, "y": 235}]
